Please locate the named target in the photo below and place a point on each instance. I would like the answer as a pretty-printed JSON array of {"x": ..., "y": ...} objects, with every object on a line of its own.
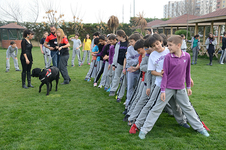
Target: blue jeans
[{"x": 55, "y": 58}]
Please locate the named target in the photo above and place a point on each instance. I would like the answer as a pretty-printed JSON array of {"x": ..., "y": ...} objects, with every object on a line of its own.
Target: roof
[
  {"x": 155, "y": 22},
  {"x": 216, "y": 16},
  {"x": 12, "y": 26},
  {"x": 178, "y": 21}
]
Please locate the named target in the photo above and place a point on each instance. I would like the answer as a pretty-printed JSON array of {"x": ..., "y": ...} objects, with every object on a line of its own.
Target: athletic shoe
[
  {"x": 133, "y": 129},
  {"x": 7, "y": 70},
  {"x": 118, "y": 100},
  {"x": 18, "y": 70},
  {"x": 112, "y": 93},
  {"x": 88, "y": 80},
  {"x": 105, "y": 89},
  {"x": 142, "y": 135},
  {"x": 185, "y": 125},
  {"x": 88, "y": 63},
  {"x": 204, "y": 132},
  {"x": 195, "y": 63},
  {"x": 124, "y": 112},
  {"x": 81, "y": 64},
  {"x": 72, "y": 65},
  {"x": 130, "y": 123},
  {"x": 124, "y": 103},
  {"x": 108, "y": 90},
  {"x": 100, "y": 86},
  {"x": 192, "y": 63},
  {"x": 221, "y": 63},
  {"x": 95, "y": 84},
  {"x": 126, "y": 118}
]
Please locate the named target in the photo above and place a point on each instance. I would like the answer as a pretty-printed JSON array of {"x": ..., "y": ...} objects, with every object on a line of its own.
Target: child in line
[
  {"x": 176, "y": 71},
  {"x": 118, "y": 59},
  {"x": 11, "y": 53},
  {"x": 104, "y": 45},
  {"x": 76, "y": 49},
  {"x": 95, "y": 50},
  {"x": 132, "y": 67},
  {"x": 147, "y": 81},
  {"x": 45, "y": 51},
  {"x": 184, "y": 45},
  {"x": 155, "y": 65},
  {"x": 113, "y": 41}
]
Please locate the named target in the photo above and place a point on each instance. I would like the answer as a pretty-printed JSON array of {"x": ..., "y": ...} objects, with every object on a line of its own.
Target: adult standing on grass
[
  {"x": 26, "y": 57},
  {"x": 45, "y": 51},
  {"x": 86, "y": 49},
  {"x": 63, "y": 45},
  {"x": 52, "y": 40},
  {"x": 223, "y": 49},
  {"x": 211, "y": 43},
  {"x": 195, "y": 46}
]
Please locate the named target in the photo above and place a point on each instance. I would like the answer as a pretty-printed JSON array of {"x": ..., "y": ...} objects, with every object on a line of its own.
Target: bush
[{"x": 179, "y": 32}]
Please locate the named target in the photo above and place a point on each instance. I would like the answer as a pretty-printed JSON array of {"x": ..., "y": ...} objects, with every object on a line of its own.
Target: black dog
[{"x": 46, "y": 76}]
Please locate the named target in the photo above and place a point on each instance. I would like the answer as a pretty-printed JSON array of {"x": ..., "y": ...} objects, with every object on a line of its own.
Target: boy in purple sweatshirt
[{"x": 176, "y": 68}]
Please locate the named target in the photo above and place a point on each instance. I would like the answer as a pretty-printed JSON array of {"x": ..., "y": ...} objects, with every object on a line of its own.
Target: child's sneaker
[
  {"x": 204, "y": 132},
  {"x": 124, "y": 112},
  {"x": 112, "y": 93},
  {"x": 126, "y": 118},
  {"x": 124, "y": 103},
  {"x": 105, "y": 88},
  {"x": 7, "y": 70},
  {"x": 95, "y": 84},
  {"x": 81, "y": 64},
  {"x": 18, "y": 70},
  {"x": 185, "y": 125},
  {"x": 88, "y": 63},
  {"x": 118, "y": 100},
  {"x": 88, "y": 80},
  {"x": 100, "y": 86},
  {"x": 142, "y": 135},
  {"x": 133, "y": 129},
  {"x": 72, "y": 65},
  {"x": 109, "y": 90}
]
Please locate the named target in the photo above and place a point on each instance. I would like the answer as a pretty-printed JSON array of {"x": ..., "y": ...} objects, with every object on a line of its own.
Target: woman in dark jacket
[{"x": 26, "y": 57}]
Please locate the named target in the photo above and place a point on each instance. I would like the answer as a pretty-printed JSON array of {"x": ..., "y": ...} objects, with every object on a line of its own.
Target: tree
[
  {"x": 140, "y": 21},
  {"x": 76, "y": 25},
  {"x": 113, "y": 23}
]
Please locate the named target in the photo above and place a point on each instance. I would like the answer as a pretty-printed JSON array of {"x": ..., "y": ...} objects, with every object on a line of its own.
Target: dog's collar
[{"x": 48, "y": 73}]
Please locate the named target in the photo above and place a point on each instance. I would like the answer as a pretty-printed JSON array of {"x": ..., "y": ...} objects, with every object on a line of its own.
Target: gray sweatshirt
[
  {"x": 144, "y": 67},
  {"x": 10, "y": 50},
  {"x": 115, "y": 58},
  {"x": 131, "y": 57}
]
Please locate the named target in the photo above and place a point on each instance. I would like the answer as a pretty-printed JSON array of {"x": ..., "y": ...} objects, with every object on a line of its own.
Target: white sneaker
[
  {"x": 100, "y": 86},
  {"x": 221, "y": 63},
  {"x": 95, "y": 84}
]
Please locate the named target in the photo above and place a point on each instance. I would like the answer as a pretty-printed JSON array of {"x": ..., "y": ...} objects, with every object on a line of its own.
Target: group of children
[{"x": 152, "y": 70}]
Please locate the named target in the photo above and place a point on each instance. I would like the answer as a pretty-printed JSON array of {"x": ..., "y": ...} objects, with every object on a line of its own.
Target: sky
[{"x": 94, "y": 11}]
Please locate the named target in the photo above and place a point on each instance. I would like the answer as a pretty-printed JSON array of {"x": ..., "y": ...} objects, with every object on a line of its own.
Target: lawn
[{"x": 79, "y": 116}]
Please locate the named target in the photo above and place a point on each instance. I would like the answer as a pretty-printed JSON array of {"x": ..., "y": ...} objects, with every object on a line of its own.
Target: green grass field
[{"x": 79, "y": 116}]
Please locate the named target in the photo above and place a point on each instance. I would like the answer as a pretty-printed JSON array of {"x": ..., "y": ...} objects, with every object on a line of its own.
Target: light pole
[{"x": 133, "y": 8}]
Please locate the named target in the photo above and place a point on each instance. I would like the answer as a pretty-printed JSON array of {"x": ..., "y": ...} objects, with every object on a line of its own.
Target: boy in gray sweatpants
[
  {"x": 155, "y": 65},
  {"x": 11, "y": 53},
  {"x": 144, "y": 97},
  {"x": 76, "y": 49},
  {"x": 176, "y": 71}
]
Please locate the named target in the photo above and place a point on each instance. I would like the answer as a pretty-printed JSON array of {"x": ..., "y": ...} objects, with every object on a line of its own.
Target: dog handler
[
  {"x": 64, "y": 54},
  {"x": 26, "y": 57}
]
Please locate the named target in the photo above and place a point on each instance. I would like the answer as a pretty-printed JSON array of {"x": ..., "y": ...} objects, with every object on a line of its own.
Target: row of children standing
[{"x": 153, "y": 74}]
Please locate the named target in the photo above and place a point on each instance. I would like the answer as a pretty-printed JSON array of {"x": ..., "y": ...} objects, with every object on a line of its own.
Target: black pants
[
  {"x": 63, "y": 67},
  {"x": 100, "y": 72},
  {"x": 25, "y": 67},
  {"x": 211, "y": 51}
]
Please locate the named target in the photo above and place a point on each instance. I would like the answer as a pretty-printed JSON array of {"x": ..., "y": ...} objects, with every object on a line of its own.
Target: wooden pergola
[
  {"x": 175, "y": 23},
  {"x": 11, "y": 32},
  {"x": 216, "y": 18}
]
